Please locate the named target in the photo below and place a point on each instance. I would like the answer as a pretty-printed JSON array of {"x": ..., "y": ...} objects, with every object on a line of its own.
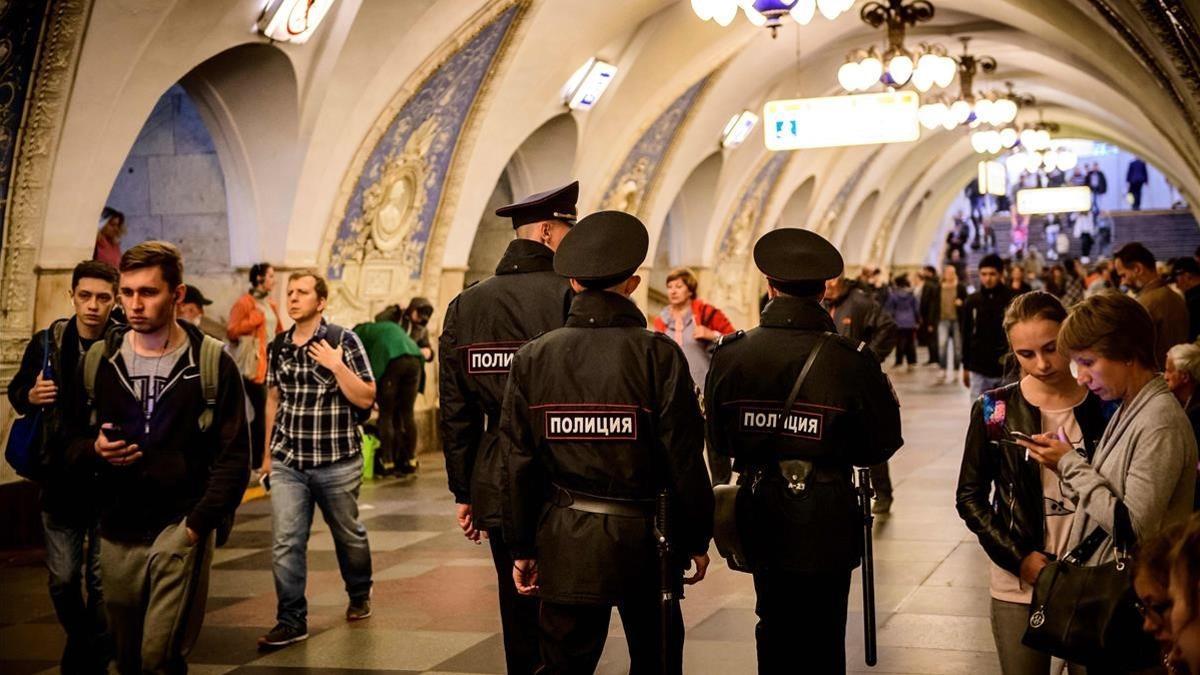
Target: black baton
[
  {"x": 666, "y": 584},
  {"x": 865, "y": 493}
]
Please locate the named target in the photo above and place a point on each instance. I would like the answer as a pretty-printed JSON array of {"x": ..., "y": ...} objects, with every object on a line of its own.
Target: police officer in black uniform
[
  {"x": 802, "y": 529},
  {"x": 484, "y": 327},
  {"x": 601, "y": 415}
]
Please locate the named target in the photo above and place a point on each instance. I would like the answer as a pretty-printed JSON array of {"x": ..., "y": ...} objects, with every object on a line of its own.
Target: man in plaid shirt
[{"x": 317, "y": 386}]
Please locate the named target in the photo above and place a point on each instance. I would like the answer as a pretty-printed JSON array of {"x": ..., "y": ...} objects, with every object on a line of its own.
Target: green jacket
[{"x": 384, "y": 341}]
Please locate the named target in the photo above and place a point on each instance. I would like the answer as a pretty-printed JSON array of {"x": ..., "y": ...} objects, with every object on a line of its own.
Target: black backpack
[{"x": 333, "y": 335}]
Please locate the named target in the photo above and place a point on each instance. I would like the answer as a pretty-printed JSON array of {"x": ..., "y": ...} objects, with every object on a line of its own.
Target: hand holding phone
[{"x": 113, "y": 447}]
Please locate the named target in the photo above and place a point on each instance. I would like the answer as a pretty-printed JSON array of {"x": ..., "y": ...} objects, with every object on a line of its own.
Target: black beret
[
  {"x": 556, "y": 204},
  {"x": 790, "y": 255},
  {"x": 606, "y": 245},
  {"x": 192, "y": 295}
]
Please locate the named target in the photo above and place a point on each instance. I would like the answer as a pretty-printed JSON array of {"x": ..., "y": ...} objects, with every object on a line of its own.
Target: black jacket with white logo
[
  {"x": 484, "y": 327},
  {"x": 605, "y": 407},
  {"x": 845, "y": 415}
]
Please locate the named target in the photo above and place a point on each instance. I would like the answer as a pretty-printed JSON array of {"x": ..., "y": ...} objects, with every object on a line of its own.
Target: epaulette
[{"x": 730, "y": 337}]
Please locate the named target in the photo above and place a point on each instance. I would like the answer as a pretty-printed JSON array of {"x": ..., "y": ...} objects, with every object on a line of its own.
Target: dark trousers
[
  {"x": 1135, "y": 189},
  {"x": 397, "y": 397},
  {"x": 73, "y": 568},
  {"x": 906, "y": 345},
  {"x": 573, "y": 636},
  {"x": 932, "y": 342},
  {"x": 257, "y": 395},
  {"x": 801, "y": 621},
  {"x": 518, "y": 613}
]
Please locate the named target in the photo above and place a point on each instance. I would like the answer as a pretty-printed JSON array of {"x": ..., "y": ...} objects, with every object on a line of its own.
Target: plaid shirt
[{"x": 314, "y": 424}]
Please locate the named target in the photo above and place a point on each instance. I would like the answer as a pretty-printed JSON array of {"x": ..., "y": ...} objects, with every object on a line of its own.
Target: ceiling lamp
[
  {"x": 768, "y": 13},
  {"x": 587, "y": 84},
  {"x": 292, "y": 20},
  {"x": 738, "y": 129},
  {"x": 899, "y": 66}
]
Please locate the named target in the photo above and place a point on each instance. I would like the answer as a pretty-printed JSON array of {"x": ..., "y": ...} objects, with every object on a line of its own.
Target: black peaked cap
[
  {"x": 790, "y": 255},
  {"x": 606, "y": 245},
  {"x": 556, "y": 204}
]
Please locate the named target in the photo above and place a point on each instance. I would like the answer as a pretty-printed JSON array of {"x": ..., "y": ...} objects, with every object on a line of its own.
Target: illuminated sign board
[
  {"x": 292, "y": 20},
  {"x": 1073, "y": 199},
  {"x": 588, "y": 83},
  {"x": 992, "y": 178},
  {"x": 862, "y": 119}
]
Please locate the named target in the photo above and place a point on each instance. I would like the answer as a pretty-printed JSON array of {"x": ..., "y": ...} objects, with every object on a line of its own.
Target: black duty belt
[{"x": 606, "y": 506}]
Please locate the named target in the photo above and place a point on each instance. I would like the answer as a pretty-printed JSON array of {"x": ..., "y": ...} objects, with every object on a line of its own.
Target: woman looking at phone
[
  {"x": 1147, "y": 455},
  {"x": 1028, "y": 522}
]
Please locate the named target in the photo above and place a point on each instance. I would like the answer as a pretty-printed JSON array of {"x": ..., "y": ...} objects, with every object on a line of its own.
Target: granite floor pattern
[{"x": 435, "y": 608}]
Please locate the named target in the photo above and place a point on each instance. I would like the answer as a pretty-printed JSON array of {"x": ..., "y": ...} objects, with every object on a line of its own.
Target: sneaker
[
  {"x": 358, "y": 609},
  {"x": 882, "y": 505},
  {"x": 282, "y": 635}
]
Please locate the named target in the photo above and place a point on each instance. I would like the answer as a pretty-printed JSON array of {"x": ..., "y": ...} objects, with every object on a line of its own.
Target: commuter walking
[
  {"x": 319, "y": 390},
  {"x": 953, "y": 295},
  {"x": 929, "y": 299},
  {"x": 901, "y": 305},
  {"x": 253, "y": 323},
  {"x": 984, "y": 346}
]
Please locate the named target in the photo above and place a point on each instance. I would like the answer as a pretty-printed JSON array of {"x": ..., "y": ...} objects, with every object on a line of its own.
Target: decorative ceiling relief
[
  {"x": 635, "y": 181},
  {"x": 384, "y": 231},
  {"x": 838, "y": 205},
  {"x": 733, "y": 256}
]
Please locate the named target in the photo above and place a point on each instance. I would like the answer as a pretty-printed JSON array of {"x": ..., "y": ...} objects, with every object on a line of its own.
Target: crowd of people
[{"x": 569, "y": 430}]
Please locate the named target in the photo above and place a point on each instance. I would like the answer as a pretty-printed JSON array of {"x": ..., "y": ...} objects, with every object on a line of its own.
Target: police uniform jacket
[
  {"x": 845, "y": 414},
  {"x": 606, "y": 408},
  {"x": 484, "y": 327}
]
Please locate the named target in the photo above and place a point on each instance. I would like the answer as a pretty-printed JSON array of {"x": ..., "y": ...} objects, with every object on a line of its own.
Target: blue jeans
[
  {"x": 949, "y": 334},
  {"x": 334, "y": 489},
  {"x": 982, "y": 383},
  {"x": 73, "y": 568}
]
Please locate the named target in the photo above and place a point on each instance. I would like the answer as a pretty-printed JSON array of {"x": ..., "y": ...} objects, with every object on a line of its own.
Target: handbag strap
[
  {"x": 1123, "y": 538},
  {"x": 791, "y": 399}
]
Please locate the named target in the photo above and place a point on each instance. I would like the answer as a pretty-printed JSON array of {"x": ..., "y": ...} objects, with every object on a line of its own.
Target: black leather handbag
[{"x": 1088, "y": 615}]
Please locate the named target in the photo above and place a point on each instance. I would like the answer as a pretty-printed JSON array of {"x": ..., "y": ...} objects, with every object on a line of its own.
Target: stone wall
[{"x": 171, "y": 186}]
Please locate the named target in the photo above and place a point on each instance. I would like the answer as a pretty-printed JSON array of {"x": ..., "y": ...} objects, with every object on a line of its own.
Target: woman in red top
[
  {"x": 253, "y": 323},
  {"x": 694, "y": 324}
]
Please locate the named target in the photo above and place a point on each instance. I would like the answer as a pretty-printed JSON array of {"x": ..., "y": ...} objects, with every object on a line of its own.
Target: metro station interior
[{"x": 373, "y": 140}]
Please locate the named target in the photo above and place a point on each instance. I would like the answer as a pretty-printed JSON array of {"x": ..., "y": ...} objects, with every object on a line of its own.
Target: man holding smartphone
[{"x": 172, "y": 464}]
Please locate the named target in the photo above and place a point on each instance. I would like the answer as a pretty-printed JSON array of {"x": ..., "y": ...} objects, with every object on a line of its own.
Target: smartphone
[
  {"x": 116, "y": 433},
  {"x": 1022, "y": 437}
]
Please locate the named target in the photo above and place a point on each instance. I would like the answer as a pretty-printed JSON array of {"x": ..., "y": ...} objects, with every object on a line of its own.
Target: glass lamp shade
[
  {"x": 900, "y": 68},
  {"x": 1005, "y": 111},
  {"x": 768, "y": 7},
  {"x": 930, "y": 115},
  {"x": 870, "y": 69},
  {"x": 922, "y": 80},
  {"x": 1049, "y": 159},
  {"x": 979, "y": 142},
  {"x": 983, "y": 110},
  {"x": 803, "y": 11},
  {"x": 1028, "y": 138},
  {"x": 960, "y": 111},
  {"x": 948, "y": 121},
  {"x": 724, "y": 11},
  {"x": 948, "y": 68},
  {"x": 1008, "y": 137},
  {"x": 830, "y": 9},
  {"x": 1066, "y": 160},
  {"x": 703, "y": 8},
  {"x": 994, "y": 144},
  {"x": 753, "y": 15},
  {"x": 850, "y": 76}
]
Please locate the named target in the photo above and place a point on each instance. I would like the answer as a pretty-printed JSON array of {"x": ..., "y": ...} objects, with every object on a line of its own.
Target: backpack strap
[
  {"x": 60, "y": 328},
  {"x": 91, "y": 364},
  {"x": 333, "y": 335},
  {"x": 210, "y": 375}
]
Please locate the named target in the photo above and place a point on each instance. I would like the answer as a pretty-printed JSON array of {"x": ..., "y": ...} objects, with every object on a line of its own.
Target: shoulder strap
[
  {"x": 274, "y": 348},
  {"x": 60, "y": 328},
  {"x": 808, "y": 364},
  {"x": 1123, "y": 538},
  {"x": 210, "y": 375},
  {"x": 91, "y": 364},
  {"x": 333, "y": 334},
  {"x": 46, "y": 348}
]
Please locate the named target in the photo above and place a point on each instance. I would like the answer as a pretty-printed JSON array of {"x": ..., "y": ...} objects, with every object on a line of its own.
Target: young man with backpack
[
  {"x": 163, "y": 425},
  {"x": 319, "y": 390},
  {"x": 46, "y": 381}
]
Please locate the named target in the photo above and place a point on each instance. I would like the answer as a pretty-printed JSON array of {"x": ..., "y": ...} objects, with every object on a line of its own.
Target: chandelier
[
  {"x": 898, "y": 66},
  {"x": 769, "y": 13},
  {"x": 994, "y": 109}
]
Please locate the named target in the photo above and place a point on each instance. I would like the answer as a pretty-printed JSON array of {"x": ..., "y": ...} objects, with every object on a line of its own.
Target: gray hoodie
[{"x": 1146, "y": 458}]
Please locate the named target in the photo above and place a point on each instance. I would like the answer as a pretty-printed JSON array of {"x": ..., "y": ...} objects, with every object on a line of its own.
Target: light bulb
[
  {"x": 945, "y": 74},
  {"x": 994, "y": 144},
  {"x": 978, "y": 142},
  {"x": 803, "y": 11},
  {"x": 871, "y": 70},
  {"x": 1028, "y": 138},
  {"x": 900, "y": 68},
  {"x": 1008, "y": 137},
  {"x": 830, "y": 9},
  {"x": 725, "y": 11},
  {"x": 1066, "y": 160},
  {"x": 1005, "y": 111},
  {"x": 849, "y": 76},
  {"x": 960, "y": 111},
  {"x": 703, "y": 9},
  {"x": 756, "y": 18},
  {"x": 930, "y": 115},
  {"x": 1043, "y": 138},
  {"x": 983, "y": 110},
  {"x": 922, "y": 80},
  {"x": 948, "y": 121}
]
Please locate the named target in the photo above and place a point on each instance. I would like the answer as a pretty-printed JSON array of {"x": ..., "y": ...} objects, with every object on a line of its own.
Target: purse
[
  {"x": 732, "y": 502},
  {"x": 23, "y": 450},
  {"x": 1088, "y": 615},
  {"x": 245, "y": 355}
]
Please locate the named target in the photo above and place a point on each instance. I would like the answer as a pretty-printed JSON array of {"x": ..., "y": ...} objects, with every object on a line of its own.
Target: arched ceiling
[{"x": 1103, "y": 69}]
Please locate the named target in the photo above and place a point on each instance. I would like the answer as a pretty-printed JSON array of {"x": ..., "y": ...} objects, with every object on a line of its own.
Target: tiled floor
[{"x": 434, "y": 598}]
